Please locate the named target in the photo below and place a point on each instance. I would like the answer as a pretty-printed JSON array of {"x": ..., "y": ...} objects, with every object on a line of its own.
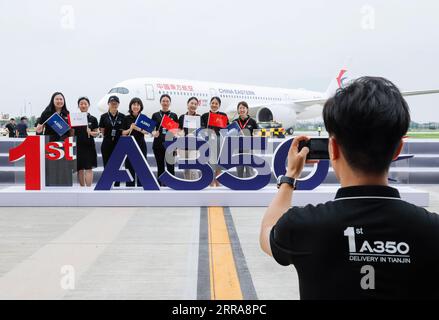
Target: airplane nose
[{"x": 102, "y": 105}]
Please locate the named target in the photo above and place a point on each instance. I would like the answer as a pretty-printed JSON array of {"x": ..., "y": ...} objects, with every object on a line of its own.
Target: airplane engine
[{"x": 280, "y": 113}]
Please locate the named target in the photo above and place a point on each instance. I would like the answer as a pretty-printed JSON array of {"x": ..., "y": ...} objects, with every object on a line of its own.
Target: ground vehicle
[
  {"x": 271, "y": 129},
  {"x": 290, "y": 131}
]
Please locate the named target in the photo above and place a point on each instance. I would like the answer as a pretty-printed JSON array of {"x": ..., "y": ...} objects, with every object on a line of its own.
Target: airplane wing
[
  {"x": 310, "y": 102},
  {"x": 419, "y": 92},
  {"x": 306, "y": 107}
]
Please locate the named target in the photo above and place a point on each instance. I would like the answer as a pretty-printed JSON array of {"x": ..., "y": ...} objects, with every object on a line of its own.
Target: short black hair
[
  {"x": 165, "y": 96},
  {"x": 242, "y": 103},
  {"x": 133, "y": 101},
  {"x": 192, "y": 98},
  {"x": 368, "y": 119},
  {"x": 83, "y": 98},
  {"x": 217, "y": 99}
]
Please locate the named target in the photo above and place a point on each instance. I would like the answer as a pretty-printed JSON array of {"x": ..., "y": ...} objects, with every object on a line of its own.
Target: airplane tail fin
[{"x": 338, "y": 82}]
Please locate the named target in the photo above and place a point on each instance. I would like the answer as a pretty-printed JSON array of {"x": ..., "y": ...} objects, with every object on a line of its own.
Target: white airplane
[{"x": 266, "y": 104}]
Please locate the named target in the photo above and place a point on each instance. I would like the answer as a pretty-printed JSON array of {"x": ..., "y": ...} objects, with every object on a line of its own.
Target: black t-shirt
[
  {"x": 334, "y": 246},
  {"x": 110, "y": 123},
  {"x": 11, "y": 128},
  {"x": 205, "y": 121},
  {"x": 139, "y": 136},
  {"x": 157, "y": 117},
  {"x": 22, "y": 130},
  {"x": 249, "y": 123},
  {"x": 81, "y": 132}
]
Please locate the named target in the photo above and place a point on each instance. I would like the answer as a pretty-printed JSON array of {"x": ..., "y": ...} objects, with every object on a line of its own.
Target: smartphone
[{"x": 318, "y": 148}]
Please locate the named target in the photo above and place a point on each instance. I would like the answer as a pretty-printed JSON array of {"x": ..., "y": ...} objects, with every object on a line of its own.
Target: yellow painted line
[{"x": 224, "y": 281}]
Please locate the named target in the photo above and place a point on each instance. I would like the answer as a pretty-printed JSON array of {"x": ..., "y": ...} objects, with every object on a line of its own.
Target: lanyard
[
  {"x": 113, "y": 123},
  {"x": 166, "y": 113},
  {"x": 245, "y": 124}
]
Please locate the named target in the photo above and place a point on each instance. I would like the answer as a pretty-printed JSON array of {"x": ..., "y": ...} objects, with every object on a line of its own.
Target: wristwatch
[{"x": 284, "y": 179}]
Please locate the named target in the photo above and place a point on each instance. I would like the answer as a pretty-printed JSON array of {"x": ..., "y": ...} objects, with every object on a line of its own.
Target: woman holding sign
[
  {"x": 188, "y": 123},
  {"x": 57, "y": 105},
  {"x": 131, "y": 129},
  {"x": 53, "y": 123},
  {"x": 215, "y": 120},
  {"x": 167, "y": 121},
  {"x": 85, "y": 144}
]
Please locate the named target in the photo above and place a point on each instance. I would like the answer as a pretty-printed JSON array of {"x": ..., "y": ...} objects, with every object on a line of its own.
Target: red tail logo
[{"x": 340, "y": 78}]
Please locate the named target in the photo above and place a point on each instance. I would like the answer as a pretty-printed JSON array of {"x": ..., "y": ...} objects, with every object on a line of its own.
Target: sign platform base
[{"x": 17, "y": 196}]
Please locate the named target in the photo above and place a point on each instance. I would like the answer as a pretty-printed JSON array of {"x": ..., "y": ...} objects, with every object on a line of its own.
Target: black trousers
[
  {"x": 131, "y": 169},
  {"x": 160, "y": 158},
  {"x": 107, "y": 148}
]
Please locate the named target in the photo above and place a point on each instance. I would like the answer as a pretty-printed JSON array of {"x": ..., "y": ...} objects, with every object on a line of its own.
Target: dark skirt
[{"x": 86, "y": 158}]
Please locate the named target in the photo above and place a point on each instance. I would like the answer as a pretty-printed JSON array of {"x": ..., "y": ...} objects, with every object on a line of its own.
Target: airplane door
[
  {"x": 149, "y": 92},
  {"x": 213, "y": 92}
]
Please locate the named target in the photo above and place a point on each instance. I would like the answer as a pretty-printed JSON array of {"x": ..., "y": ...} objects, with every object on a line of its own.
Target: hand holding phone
[{"x": 318, "y": 148}]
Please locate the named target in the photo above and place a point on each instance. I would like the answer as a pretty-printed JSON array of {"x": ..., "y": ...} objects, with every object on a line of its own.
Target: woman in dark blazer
[
  {"x": 192, "y": 105},
  {"x": 85, "y": 145},
  {"x": 247, "y": 125},
  {"x": 215, "y": 139},
  {"x": 159, "y": 135},
  {"x": 130, "y": 129},
  {"x": 59, "y": 173}
]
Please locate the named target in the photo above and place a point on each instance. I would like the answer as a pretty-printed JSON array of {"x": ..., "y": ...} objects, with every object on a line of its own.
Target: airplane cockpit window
[{"x": 120, "y": 90}]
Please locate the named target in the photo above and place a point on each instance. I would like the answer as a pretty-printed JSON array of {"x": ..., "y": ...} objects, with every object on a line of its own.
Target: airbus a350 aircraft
[{"x": 266, "y": 104}]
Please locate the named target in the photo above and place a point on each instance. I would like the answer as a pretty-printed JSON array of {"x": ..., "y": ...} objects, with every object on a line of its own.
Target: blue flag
[
  {"x": 57, "y": 123},
  {"x": 145, "y": 123},
  {"x": 233, "y": 129}
]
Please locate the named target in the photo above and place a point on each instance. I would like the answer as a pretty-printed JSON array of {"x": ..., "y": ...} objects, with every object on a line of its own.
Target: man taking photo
[{"x": 367, "y": 243}]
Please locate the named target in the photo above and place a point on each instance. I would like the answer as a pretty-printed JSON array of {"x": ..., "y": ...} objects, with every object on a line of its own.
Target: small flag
[
  {"x": 191, "y": 122},
  {"x": 232, "y": 129},
  {"x": 145, "y": 123},
  {"x": 233, "y": 126},
  {"x": 78, "y": 119},
  {"x": 217, "y": 120},
  {"x": 168, "y": 123},
  {"x": 57, "y": 123}
]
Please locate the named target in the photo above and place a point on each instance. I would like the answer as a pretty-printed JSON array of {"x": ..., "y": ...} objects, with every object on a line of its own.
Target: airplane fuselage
[{"x": 266, "y": 103}]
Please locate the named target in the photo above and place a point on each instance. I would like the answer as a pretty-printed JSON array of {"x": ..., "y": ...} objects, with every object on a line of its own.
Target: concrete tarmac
[{"x": 141, "y": 253}]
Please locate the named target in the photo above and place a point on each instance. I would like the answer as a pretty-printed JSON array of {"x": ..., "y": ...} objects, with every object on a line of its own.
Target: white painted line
[{"x": 192, "y": 259}]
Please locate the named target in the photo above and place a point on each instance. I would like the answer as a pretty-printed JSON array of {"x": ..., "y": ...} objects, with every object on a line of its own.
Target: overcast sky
[{"x": 83, "y": 47}]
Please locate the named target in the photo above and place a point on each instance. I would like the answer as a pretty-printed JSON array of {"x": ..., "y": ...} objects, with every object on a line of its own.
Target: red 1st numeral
[{"x": 30, "y": 150}]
